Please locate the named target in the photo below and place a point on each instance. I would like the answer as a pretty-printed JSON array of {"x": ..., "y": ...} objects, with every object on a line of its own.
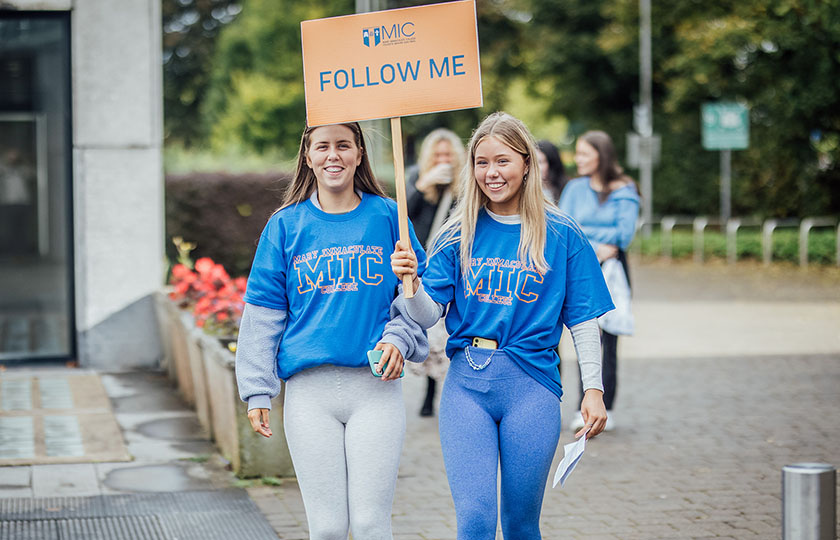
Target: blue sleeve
[
  {"x": 587, "y": 295},
  {"x": 441, "y": 273},
  {"x": 625, "y": 228},
  {"x": 267, "y": 281}
]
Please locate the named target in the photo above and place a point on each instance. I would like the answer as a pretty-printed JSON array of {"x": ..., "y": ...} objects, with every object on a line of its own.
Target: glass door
[{"x": 36, "y": 237}]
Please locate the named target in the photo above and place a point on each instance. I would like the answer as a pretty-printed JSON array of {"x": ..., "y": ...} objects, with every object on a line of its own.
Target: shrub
[
  {"x": 821, "y": 245},
  {"x": 221, "y": 213}
]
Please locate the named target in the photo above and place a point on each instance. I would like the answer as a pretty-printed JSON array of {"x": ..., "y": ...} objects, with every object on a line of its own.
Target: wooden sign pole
[{"x": 402, "y": 205}]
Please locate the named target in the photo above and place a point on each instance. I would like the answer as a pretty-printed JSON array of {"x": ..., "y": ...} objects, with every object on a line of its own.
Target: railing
[{"x": 699, "y": 225}]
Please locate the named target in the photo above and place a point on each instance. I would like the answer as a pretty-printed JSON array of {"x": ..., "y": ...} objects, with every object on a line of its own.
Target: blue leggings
[{"x": 498, "y": 414}]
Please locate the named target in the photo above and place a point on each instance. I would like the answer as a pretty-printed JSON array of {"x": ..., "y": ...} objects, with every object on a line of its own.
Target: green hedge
[
  {"x": 822, "y": 244},
  {"x": 222, "y": 213}
]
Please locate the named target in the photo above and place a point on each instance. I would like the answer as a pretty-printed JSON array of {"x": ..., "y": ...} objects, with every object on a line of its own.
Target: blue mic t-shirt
[
  {"x": 332, "y": 275},
  {"x": 509, "y": 301}
]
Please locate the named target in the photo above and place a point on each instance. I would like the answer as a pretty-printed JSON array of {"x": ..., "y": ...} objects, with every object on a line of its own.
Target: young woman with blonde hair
[
  {"x": 320, "y": 296},
  {"x": 509, "y": 270}
]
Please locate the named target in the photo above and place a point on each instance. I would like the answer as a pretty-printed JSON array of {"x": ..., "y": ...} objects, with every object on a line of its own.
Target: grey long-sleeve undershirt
[{"x": 262, "y": 329}]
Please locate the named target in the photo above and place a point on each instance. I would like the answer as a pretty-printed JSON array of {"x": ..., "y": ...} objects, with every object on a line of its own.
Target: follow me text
[{"x": 390, "y": 73}]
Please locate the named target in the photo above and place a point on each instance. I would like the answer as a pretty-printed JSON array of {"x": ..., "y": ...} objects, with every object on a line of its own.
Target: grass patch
[{"x": 822, "y": 245}]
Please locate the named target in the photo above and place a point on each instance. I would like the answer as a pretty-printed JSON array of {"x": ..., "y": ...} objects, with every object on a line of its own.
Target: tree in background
[
  {"x": 779, "y": 58},
  {"x": 190, "y": 29},
  {"x": 256, "y": 100},
  {"x": 550, "y": 61}
]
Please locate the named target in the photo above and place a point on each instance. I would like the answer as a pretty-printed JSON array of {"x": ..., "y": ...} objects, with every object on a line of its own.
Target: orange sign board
[{"x": 392, "y": 63}]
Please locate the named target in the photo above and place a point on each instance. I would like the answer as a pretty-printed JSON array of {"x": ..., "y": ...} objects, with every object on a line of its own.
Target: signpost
[
  {"x": 726, "y": 127},
  {"x": 389, "y": 64}
]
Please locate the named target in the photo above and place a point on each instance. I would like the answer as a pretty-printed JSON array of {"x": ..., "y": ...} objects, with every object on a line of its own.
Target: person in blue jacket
[
  {"x": 605, "y": 203},
  {"x": 509, "y": 270},
  {"x": 320, "y": 295}
]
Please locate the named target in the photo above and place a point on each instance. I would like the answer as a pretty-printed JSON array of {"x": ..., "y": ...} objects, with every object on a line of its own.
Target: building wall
[
  {"x": 117, "y": 176},
  {"x": 118, "y": 179}
]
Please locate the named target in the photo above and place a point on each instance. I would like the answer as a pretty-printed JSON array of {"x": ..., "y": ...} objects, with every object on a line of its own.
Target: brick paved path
[{"x": 700, "y": 441}]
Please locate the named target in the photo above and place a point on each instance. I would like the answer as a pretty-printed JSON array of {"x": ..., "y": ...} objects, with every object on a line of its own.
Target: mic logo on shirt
[
  {"x": 498, "y": 281},
  {"x": 339, "y": 269}
]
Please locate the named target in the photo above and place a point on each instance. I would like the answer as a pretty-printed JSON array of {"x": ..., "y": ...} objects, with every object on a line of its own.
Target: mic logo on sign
[
  {"x": 388, "y": 35},
  {"x": 377, "y": 36}
]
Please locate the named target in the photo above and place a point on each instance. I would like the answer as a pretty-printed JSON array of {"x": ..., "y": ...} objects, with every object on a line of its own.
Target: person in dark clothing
[
  {"x": 551, "y": 168},
  {"x": 432, "y": 186}
]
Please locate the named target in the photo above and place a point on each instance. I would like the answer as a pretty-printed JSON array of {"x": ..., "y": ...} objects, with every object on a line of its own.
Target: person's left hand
[
  {"x": 606, "y": 251},
  {"x": 392, "y": 356},
  {"x": 594, "y": 413}
]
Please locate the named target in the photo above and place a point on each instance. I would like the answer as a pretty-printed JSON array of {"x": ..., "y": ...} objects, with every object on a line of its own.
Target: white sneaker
[
  {"x": 610, "y": 425},
  {"x": 577, "y": 422}
]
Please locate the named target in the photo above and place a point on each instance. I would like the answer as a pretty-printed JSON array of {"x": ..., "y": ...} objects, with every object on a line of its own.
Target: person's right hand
[
  {"x": 440, "y": 174},
  {"x": 259, "y": 421},
  {"x": 404, "y": 262}
]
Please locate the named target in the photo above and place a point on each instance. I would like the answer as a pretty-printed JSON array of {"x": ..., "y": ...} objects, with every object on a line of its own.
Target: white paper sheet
[{"x": 573, "y": 453}]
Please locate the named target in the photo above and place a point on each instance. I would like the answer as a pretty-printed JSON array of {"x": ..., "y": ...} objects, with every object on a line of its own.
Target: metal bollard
[{"x": 808, "y": 502}]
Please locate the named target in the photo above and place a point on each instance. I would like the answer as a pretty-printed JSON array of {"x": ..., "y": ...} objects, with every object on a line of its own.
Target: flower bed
[{"x": 199, "y": 320}]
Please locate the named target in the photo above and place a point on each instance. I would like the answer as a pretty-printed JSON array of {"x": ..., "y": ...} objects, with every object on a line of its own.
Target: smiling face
[
  {"x": 499, "y": 171},
  {"x": 333, "y": 156},
  {"x": 586, "y": 158}
]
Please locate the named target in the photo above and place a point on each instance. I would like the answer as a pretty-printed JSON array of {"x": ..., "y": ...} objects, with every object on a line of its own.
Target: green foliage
[
  {"x": 190, "y": 29},
  {"x": 564, "y": 67},
  {"x": 178, "y": 159},
  {"x": 821, "y": 245},
  {"x": 221, "y": 214},
  {"x": 779, "y": 58},
  {"x": 255, "y": 100},
  {"x": 271, "y": 481}
]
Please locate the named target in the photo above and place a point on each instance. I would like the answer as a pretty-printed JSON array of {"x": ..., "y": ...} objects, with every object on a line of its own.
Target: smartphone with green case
[{"x": 373, "y": 359}]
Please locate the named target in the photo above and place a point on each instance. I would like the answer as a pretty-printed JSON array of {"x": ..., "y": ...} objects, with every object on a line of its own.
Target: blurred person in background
[
  {"x": 435, "y": 180},
  {"x": 605, "y": 203},
  {"x": 552, "y": 170},
  {"x": 554, "y": 180}
]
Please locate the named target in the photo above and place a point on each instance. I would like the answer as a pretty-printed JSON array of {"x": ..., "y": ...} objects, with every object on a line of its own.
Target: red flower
[{"x": 215, "y": 299}]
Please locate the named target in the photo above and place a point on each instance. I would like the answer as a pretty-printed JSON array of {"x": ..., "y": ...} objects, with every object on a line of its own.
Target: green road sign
[{"x": 726, "y": 126}]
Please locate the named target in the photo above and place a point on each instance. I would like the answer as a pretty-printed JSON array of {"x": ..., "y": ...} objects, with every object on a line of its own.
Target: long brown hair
[{"x": 304, "y": 183}]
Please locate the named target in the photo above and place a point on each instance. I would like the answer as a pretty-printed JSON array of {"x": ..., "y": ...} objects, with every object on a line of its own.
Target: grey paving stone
[
  {"x": 11, "y": 477},
  {"x": 700, "y": 441},
  {"x": 78, "y": 479}
]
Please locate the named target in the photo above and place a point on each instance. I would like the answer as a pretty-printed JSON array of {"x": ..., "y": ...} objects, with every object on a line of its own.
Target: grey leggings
[{"x": 345, "y": 430}]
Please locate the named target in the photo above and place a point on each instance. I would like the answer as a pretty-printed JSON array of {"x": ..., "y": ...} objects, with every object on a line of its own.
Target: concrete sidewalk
[
  {"x": 133, "y": 464},
  {"x": 733, "y": 373}
]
